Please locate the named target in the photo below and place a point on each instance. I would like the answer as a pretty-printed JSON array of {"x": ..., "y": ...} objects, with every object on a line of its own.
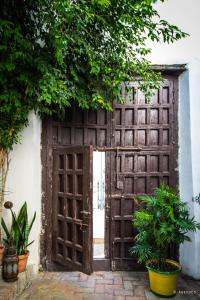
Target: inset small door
[{"x": 72, "y": 208}]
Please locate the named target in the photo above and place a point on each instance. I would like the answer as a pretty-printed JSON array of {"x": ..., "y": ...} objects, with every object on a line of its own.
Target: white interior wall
[{"x": 24, "y": 181}]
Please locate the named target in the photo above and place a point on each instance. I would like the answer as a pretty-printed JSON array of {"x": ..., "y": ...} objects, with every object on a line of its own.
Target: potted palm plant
[
  {"x": 20, "y": 230},
  {"x": 162, "y": 219}
]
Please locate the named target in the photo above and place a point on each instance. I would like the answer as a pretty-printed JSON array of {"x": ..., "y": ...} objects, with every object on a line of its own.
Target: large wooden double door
[{"x": 141, "y": 144}]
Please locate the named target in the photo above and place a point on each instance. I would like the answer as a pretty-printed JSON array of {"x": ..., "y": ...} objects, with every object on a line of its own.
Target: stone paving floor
[{"x": 99, "y": 286}]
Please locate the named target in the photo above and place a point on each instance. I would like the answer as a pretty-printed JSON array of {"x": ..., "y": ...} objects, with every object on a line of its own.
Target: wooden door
[
  {"x": 72, "y": 208},
  {"x": 152, "y": 127}
]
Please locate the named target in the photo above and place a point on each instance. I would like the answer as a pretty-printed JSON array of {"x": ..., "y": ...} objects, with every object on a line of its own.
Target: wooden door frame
[{"x": 47, "y": 169}]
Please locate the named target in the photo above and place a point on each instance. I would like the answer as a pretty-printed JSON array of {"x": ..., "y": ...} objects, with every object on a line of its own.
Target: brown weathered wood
[
  {"x": 153, "y": 128},
  {"x": 141, "y": 144},
  {"x": 105, "y": 149},
  {"x": 170, "y": 69},
  {"x": 72, "y": 192}
]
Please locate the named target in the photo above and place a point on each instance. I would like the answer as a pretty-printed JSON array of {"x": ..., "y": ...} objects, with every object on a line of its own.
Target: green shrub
[{"x": 162, "y": 220}]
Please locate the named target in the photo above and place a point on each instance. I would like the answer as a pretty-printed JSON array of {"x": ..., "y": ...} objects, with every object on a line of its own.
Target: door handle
[
  {"x": 84, "y": 212},
  {"x": 83, "y": 227}
]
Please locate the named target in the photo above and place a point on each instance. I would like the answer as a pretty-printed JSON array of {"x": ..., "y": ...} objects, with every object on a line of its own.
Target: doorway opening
[{"x": 98, "y": 205}]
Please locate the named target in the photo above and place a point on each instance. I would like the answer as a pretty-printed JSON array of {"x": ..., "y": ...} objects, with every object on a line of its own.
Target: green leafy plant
[
  {"x": 20, "y": 228},
  {"x": 161, "y": 220}
]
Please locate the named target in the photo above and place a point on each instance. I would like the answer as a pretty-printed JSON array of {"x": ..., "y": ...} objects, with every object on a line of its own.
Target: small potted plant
[
  {"x": 161, "y": 220},
  {"x": 20, "y": 230}
]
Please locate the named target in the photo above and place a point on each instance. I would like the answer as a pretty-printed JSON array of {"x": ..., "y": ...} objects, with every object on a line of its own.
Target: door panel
[
  {"x": 72, "y": 208},
  {"x": 153, "y": 128}
]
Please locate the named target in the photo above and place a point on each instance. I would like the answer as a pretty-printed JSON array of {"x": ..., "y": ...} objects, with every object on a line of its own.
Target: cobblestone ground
[{"x": 99, "y": 286}]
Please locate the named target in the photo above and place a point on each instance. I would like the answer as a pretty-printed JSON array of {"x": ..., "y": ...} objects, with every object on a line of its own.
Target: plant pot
[
  {"x": 164, "y": 283},
  {"x": 22, "y": 262},
  {"x": 1, "y": 254}
]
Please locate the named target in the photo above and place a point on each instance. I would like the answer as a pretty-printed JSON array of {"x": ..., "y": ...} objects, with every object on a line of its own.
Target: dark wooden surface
[
  {"x": 72, "y": 207},
  {"x": 153, "y": 129},
  {"x": 150, "y": 129}
]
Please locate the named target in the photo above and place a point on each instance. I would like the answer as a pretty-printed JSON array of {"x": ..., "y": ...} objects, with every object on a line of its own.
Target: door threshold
[{"x": 101, "y": 264}]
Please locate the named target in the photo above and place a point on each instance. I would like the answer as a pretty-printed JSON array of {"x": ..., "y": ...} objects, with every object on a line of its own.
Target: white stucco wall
[
  {"x": 189, "y": 159},
  {"x": 185, "y": 14},
  {"x": 24, "y": 181}
]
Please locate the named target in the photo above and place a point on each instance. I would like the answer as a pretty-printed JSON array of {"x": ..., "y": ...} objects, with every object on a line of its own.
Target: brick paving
[
  {"x": 98, "y": 286},
  {"x": 9, "y": 290}
]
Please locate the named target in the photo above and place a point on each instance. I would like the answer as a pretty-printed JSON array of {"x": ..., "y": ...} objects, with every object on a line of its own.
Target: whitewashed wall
[
  {"x": 25, "y": 172},
  {"x": 24, "y": 181},
  {"x": 185, "y": 14}
]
